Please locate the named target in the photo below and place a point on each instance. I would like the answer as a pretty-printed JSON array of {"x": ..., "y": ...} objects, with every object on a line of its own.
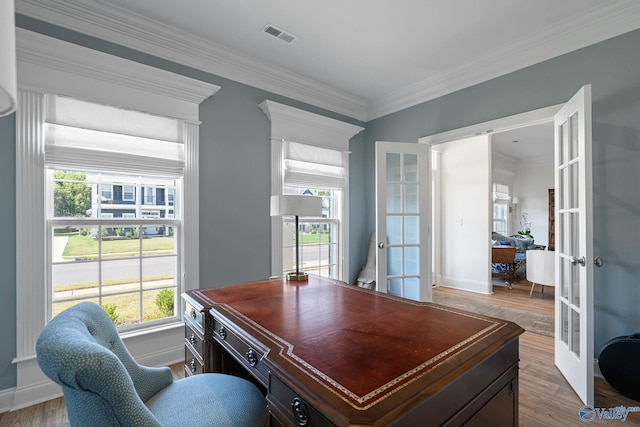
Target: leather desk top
[{"x": 357, "y": 348}]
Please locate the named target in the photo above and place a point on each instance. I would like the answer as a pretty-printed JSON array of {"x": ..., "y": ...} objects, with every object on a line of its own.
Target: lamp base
[{"x": 298, "y": 277}]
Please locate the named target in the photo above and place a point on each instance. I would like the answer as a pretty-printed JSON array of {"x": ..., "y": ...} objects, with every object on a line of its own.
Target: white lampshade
[
  {"x": 8, "y": 83},
  {"x": 515, "y": 200},
  {"x": 293, "y": 204}
]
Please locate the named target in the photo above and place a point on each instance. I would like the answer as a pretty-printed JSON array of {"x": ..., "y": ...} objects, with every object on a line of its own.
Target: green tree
[{"x": 71, "y": 196}]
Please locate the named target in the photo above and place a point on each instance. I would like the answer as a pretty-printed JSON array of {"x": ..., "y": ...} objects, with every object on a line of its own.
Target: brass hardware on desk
[
  {"x": 300, "y": 411},
  {"x": 192, "y": 365},
  {"x": 193, "y": 340},
  {"x": 252, "y": 357},
  {"x": 194, "y": 314}
]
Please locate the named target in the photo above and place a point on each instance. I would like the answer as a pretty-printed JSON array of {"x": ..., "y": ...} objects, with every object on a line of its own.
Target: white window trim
[
  {"x": 292, "y": 124},
  {"x": 50, "y": 65}
]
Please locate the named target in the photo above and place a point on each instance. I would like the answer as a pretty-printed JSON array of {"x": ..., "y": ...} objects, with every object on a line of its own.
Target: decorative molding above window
[
  {"x": 292, "y": 124},
  {"x": 51, "y": 65}
]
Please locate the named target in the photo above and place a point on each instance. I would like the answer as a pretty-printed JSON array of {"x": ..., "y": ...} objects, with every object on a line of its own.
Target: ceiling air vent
[{"x": 279, "y": 33}]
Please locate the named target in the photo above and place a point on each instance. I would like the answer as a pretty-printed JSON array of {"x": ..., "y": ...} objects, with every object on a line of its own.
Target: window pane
[
  {"x": 394, "y": 261},
  {"x": 393, "y": 167},
  {"x": 411, "y": 167},
  {"x": 71, "y": 194},
  {"x": 411, "y": 198},
  {"x": 319, "y": 239},
  {"x": 411, "y": 260},
  {"x": 394, "y": 230},
  {"x": 394, "y": 287}
]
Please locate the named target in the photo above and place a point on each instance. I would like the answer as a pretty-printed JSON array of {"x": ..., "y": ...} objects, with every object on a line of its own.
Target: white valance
[
  {"x": 311, "y": 166},
  {"x": 88, "y": 136}
]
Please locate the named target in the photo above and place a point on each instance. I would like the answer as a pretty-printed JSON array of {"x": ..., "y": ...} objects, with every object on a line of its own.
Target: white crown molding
[
  {"x": 49, "y": 64},
  {"x": 583, "y": 29},
  {"x": 108, "y": 22}
]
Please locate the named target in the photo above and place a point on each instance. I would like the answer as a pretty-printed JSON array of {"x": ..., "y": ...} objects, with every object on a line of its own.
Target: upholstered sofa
[{"x": 522, "y": 245}]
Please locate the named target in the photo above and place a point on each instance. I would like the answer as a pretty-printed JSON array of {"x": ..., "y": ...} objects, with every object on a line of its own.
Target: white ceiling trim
[
  {"x": 579, "y": 31},
  {"x": 137, "y": 32}
]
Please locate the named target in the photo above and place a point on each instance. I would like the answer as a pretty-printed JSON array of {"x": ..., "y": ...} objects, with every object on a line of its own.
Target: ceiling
[
  {"x": 531, "y": 144},
  {"x": 360, "y": 58}
]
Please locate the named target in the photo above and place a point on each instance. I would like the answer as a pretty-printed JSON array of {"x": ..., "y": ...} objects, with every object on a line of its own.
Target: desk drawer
[
  {"x": 192, "y": 364},
  {"x": 246, "y": 354},
  {"x": 290, "y": 409},
  {"x": 194, "y": 339},
  {"x": 194, "y": 316}
]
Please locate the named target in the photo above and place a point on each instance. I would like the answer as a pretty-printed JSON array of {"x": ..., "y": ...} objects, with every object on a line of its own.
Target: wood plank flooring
[{"x": 545, "y": 398}]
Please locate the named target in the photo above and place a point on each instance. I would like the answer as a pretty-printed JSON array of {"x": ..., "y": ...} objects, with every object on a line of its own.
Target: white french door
[
  {"x": 574, "y": 244},
  {"x": 403, "y": 219}
]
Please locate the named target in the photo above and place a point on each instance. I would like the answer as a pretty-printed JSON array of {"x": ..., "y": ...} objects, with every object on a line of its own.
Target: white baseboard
[{"x": 477, "y": 286}]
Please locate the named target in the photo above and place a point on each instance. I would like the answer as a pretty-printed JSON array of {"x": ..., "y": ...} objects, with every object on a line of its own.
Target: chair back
[
  {"x": 80, "y": 349},
  {"x": 541, "y": 267}
]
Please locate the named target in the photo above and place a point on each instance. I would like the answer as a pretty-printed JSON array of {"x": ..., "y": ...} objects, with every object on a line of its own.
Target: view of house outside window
[
  {"x": 319, "y": 237},
  {"x": 114, "y": 243}
]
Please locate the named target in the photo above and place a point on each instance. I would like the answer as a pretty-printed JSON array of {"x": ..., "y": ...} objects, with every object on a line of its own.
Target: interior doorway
[{"x": 503, "y": 131}]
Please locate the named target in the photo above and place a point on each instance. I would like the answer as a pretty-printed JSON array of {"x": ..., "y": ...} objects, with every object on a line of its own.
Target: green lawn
[
  {"x": 87, "y": 247},
  {"x": 312, "y": 238},
  {"x": 127, "y": 306}
]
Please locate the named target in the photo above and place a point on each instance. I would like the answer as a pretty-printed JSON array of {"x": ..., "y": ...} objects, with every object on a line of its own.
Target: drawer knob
[
  {"x": 300, "y": 411},
  {"x": 193, "y": 340},
  {"x": 194, "y": 314},
  {"x": 192, "y": 365},
  {"x": 222, "y": 332},
  {"x": 252, "y": 357}
]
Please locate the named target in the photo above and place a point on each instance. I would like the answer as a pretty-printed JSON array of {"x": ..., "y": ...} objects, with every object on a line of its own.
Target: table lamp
[{"x": 296, "y": 205}]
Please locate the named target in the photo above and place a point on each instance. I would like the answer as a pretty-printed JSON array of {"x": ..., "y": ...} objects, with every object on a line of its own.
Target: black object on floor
[{"x": 619, "y": 364}]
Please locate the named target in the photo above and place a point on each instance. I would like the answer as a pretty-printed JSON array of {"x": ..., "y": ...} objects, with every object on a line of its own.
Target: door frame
[{"x": 528, "y": 118}]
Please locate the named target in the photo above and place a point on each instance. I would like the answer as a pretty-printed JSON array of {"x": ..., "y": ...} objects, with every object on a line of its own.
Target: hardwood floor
[{"x": 545, "y": 398}]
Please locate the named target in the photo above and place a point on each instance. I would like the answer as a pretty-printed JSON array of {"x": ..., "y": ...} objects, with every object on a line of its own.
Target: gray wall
[
  {"x": 611, "y": 67},
  {"x": 7, "y": 251},
  {"x": 234, "y": 182}
]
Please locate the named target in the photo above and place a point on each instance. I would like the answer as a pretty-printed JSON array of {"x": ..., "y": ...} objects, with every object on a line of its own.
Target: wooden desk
[{"x": 329, "y": 353}]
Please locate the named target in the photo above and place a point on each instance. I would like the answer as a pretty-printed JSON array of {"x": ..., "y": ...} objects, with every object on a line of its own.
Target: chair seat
[{"x": 214, "y": 400}]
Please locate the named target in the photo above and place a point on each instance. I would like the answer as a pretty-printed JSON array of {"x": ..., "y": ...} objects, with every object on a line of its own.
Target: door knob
[
  {"x": 380, "y": 245},
  {"x": 597, "y": 261},
  {"x": 575, "y": 260}
]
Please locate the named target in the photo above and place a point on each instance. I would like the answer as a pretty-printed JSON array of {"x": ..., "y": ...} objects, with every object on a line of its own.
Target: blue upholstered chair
[{"x": 80, "y": 349}]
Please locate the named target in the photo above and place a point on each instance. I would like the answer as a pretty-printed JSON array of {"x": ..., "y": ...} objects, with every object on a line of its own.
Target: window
[
  {"x": 501, "y": 200},
  {"x": 105, "y": 191},
  {"x": 105, "y": 247},
  {"x": 125, "y": 265},
  {"x": 319, "y": 238},
  {"x": 309, "y": 154},
  {"x": 128, "y": 193},
  {"x": 55, "y": 66}
]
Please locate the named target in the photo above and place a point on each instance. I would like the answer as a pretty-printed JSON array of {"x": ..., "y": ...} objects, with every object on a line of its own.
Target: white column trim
[
  {"x": 277, "y": 180},
  {"x": 191, "y": 208},
  {"x": 31, "y": 313}
]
